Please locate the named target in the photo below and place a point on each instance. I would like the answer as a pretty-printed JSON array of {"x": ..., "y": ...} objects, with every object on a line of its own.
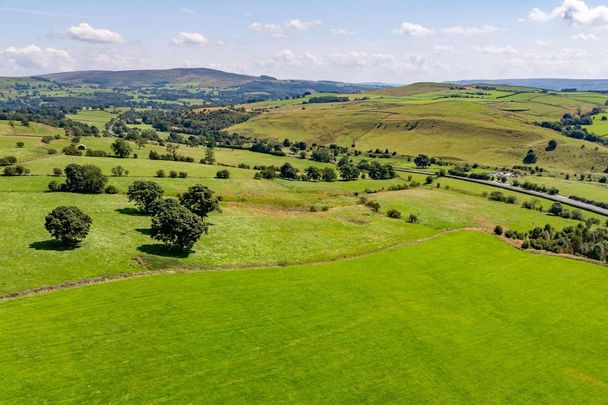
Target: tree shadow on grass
[
  {"x": 162, "y": 250},
  {"x": 52, "y": 244},
  {"x": 144, "y": 231},
  {"x": 131, "y": 211}
]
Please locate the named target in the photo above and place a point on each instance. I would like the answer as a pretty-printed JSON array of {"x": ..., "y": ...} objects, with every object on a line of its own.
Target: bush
[
  {"x": 288, "y": 171},
  {"x": 349, "y": 172},
  {"x": 177, "y": 227},
  {"x": 222, "y": 174},
  {"x": 182, "y": 175},
  {"x": 143, "y": 193},
  {"x": 46, "y": 139},
  {"x": 96, "y": 153},
  {"x": 160, "y": 173},
  {"x": 71, "y": 150},
  {"x": 57, "y": 171},
  {"x": 54, "y": 186},
  {"x": 243, "y": 166},
  {"x": 111, "y": 189},
  {"x": 373, "y": 205},
  {"x": 393, "y": 213},
  {"x": 173, "y": 174},
  {"x": 498, "y": 230},
  {"x": 68, "y": 224},
  {"x": 8, "y": 160},
  {"x": 86, "y": 179},
  {"x": 200, "y": 200},
  {"x": 17, "y": 170},
  {"x": 52, "y": 151},
  {"x": 328, "y": 174},
  {"x": 20, "y": 144},
  {"x": 119, "y": 171},
  {"x": 412, "y": 219}
]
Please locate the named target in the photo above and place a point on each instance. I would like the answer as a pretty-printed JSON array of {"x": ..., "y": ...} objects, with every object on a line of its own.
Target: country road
[{"x": 557, "y": 198}]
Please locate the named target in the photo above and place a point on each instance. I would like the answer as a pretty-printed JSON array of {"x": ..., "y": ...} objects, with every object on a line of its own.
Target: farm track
[{"x": 127, "y": 276}]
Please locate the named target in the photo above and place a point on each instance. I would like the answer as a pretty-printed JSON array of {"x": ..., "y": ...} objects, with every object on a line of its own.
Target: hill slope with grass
[{"x": 493, "y": 125}]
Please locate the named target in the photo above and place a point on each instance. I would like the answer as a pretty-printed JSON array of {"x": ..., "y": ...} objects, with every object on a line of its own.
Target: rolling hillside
[
  {"x": 494, "y": 127},
  {"x": 200, "y": 77}
]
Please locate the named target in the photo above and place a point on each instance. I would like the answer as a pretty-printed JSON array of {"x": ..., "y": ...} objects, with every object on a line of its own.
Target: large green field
[{"x": 480, "y": 322}]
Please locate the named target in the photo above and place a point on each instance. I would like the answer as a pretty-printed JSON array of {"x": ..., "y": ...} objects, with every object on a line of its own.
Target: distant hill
[
  {"x": 198, "y": 77},
  {"x": 549, "y": 84},
  {"x": 415, "y": 88}
]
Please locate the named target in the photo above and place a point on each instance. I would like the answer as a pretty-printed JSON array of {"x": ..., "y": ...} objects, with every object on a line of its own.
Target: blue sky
[{"x": 380, "y": 40}]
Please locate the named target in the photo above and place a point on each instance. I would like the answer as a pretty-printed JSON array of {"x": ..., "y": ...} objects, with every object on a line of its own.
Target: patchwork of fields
[{"x": 302, "y": 291}]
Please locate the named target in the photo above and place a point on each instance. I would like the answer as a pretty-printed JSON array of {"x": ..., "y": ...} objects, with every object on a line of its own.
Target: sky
[{"x": 390, "y": 41}]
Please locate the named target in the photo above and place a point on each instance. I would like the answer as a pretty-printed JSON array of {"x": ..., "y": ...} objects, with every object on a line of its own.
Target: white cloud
[
  {"x": 277, "y": 31},
  {"x": 585, "y": 37},
  {"x": 543, "y": 42},
  {"x": 445, "y": 49},
  {"x": 280, "y": 31},
  {"x": 341, "y": 31},
  {"x": 189, "y": 39},
  {"x": 496, "y": 50},
  {"x": 458, "y": 30},
  {"x": 300, "y": 25},
  {"x": 417, "y": 30},
  {"x": 84, "y": 32},
  {"x": 412, "y": 29},
  {"x": 574, "y": 12},
  {"x": 32, "y": 57}
]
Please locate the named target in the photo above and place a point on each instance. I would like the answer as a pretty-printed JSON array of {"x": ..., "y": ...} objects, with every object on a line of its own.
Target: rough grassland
[{"x": 479, "y": 323}]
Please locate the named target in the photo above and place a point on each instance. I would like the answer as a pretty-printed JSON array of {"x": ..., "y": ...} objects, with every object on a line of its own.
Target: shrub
[
  {"x": 111, "y": 189},
  {"x": 68, "y": 224},
  {"x": 160, "y": 173},
  {"x": 96, "y": 153},
  {"x": 498, "y": 230},
  {"x": 46, "y": 139},
  {"x": 328, "y": 174},
  {"x": 52, "y": 151},
  {"x": 57, "y": 171},
  {"x": 288, "y": 171},
  {"x": 54, "y": 186},
  {"x": 373, "y": 205},
  {"x": 393, "y": 213},
  {"x": 182, "y": 175},
  {"x": 17, "y": 170},
  {"x": 119, "y": 171},
  {"x": 86, "y": 179},
  {"x": 71, "y": 150},
  {"x": 143, "y": 193},
  {"x": 412, "y": 219},
  {"x": 20, "y": 144},
  {"x": 243, "y": 166},
  {"x": 222, "y": 174},
  {"x": 8, "y": 160},
  {"x": 172, "y": 174},
  {"x": 177, "y": 227},
  {"x": 200, "y": 200}
]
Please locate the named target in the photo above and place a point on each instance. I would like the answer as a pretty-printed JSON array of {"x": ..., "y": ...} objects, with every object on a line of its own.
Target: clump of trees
[
  {"x": 223, "y": 174},
  {"x": 422, "y": 161},
  {"x": 584, "y": 239},
  {"x": 86, "y": 179},
  {"x": 499, "y": 196},
  {"x": 68, "y": 225}
]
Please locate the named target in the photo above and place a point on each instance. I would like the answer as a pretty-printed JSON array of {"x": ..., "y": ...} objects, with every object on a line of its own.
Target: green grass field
[
  {"x": 94, "y": 118},
  {"x": 479, "y": 323}
]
